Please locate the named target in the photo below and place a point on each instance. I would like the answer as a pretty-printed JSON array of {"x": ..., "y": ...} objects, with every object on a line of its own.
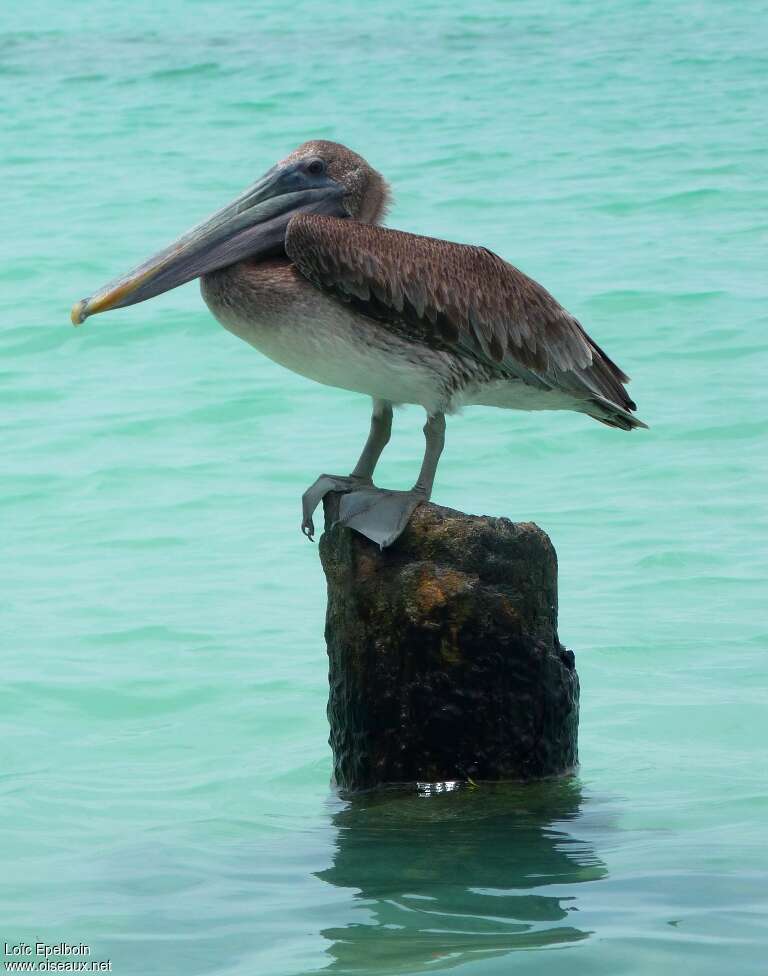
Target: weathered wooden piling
[{"x": 444, "y": 660}]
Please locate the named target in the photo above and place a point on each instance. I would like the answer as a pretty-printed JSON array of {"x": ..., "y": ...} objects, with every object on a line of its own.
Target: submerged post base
[{"x": 444, "y": 661}]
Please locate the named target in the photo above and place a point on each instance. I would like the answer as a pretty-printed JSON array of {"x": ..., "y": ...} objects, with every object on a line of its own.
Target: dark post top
[{"x": 444, "y": 659}]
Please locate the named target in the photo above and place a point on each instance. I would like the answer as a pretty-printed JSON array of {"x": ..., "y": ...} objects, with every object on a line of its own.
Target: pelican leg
[
  {"x": 361, "y": 476},
  {"x": 434, "y": 434},
  {"x": 382, "y": 515}
]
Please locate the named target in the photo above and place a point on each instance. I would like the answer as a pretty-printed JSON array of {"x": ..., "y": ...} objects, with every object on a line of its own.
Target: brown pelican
[{"x": 300, "y": 267}]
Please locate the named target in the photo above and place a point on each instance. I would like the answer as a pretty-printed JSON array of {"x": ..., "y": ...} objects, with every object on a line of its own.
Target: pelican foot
[
  {"x": 317, "y": 491},
  {"x": 379, "y": 515}
]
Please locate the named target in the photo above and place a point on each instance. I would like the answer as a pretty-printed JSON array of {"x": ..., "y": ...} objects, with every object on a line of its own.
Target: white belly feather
[
  {"x": 317, "y": 337},
  {"x": 286, "y": 318}
]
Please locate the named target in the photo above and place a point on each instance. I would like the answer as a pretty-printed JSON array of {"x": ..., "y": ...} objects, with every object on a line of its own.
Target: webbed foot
[{"x": 378, "y": 514}]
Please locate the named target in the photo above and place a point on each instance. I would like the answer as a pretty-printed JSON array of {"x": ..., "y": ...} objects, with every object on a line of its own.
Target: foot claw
[
  {"x": 315, "y": 494},
  {"x": 379, "y": 515}
]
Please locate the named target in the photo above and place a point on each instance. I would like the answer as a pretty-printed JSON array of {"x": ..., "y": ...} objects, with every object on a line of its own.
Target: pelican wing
[{"x": 463, "y": 298}]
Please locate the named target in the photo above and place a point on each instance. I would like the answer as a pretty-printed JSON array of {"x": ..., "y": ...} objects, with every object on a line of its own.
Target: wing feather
[{"x": 463, "y": 297}]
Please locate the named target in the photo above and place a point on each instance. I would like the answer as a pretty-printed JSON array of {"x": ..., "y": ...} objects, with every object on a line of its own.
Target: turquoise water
[{"x": 163, "y": 759}]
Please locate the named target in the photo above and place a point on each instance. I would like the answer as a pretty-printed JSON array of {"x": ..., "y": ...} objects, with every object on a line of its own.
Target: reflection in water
[{"x": 463, "y": 874}]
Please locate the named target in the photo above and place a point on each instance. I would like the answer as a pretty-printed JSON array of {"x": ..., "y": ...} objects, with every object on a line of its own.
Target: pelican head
[{"x": 318, "y": 177}]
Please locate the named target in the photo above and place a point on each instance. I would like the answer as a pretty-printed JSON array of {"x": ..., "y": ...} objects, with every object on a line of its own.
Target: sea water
[{"x": 163, "y": 759}]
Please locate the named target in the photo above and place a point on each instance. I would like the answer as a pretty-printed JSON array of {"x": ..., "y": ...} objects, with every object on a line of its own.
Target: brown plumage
[
  {"x": 461, "y": 298},
  {"x": 299, "y": 267},
  {"x": 367, "y": 193}
]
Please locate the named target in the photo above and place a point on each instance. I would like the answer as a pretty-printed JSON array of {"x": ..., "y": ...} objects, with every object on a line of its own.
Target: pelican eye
[{"x": 316, "y": 167}]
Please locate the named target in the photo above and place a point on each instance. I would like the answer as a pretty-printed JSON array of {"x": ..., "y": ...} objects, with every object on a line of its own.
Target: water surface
[{"x": 163, "y": 759}]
